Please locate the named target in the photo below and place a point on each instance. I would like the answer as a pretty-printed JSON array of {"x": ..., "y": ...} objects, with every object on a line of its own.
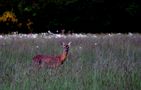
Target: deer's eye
[{"x": 67, "y": 46}]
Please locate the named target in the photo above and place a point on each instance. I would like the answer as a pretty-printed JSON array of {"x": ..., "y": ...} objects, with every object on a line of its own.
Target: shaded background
[{"x": 79, "y": 16}]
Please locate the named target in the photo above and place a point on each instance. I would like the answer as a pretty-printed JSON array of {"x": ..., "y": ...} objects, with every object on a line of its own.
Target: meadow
[{"x": 95, "y": 62}]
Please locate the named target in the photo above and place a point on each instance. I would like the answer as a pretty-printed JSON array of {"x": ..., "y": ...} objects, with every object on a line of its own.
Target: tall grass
[{"x": 102, "y": 63}]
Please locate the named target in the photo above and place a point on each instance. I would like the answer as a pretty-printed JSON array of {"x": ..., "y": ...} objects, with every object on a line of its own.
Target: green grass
[{"x": 113, "y": 64}]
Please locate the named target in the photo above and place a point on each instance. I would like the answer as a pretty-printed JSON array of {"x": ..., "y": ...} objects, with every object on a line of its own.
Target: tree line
[{"x": 71, "y": 15}]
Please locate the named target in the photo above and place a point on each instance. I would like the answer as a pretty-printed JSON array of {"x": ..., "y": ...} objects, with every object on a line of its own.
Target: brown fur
[{"x": 52, "y": 61}]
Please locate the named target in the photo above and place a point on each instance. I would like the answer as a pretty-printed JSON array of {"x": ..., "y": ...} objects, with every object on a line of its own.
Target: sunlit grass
[{"x": 104, "y": 62}]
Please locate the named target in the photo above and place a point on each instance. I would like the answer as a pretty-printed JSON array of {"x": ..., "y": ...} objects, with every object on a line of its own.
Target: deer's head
[{"x": 66, "y": 46}]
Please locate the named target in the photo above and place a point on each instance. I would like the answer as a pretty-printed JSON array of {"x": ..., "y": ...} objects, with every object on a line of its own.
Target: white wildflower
[
  {"x": 50, "y": 32},
  {"x": 95, "y": 44},
  {"x": 130, "y": 34},
  {"x": 37, "y": 46},
  {"x": 80, "y": 47}
]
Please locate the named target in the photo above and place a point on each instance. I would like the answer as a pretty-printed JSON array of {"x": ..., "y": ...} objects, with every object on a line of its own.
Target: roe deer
[{"x": 52, "y": 61}]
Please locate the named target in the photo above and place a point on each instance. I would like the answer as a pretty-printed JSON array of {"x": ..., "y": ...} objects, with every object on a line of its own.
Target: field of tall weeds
[{"x": 95, "y": 62}]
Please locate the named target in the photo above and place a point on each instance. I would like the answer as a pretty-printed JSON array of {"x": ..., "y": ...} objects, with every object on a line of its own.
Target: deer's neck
[{"x": 64, "y": 55}]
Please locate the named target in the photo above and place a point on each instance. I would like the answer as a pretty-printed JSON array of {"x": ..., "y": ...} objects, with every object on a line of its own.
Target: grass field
[{"x": 95, "y": 62}]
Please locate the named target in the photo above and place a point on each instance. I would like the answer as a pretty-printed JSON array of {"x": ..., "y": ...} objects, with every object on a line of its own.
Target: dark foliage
[{"x": 76, "y": 15}]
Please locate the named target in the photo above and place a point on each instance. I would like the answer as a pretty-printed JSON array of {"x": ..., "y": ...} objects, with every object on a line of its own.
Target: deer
[{"x": 52, "y": 61}]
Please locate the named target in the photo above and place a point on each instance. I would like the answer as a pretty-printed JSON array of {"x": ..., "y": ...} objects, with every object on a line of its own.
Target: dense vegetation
[{"x": 75, "y": 15}]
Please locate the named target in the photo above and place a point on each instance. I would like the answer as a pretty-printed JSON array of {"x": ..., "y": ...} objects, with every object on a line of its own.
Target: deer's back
[{"x": 46, "y": 59}]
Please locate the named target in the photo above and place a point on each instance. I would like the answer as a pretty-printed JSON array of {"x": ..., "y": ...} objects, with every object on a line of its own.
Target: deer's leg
[
  {"x": 42, "y": 64},
  {"x": 55, "y": 65}
]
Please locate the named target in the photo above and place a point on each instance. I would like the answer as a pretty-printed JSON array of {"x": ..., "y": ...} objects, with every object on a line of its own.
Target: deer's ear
[
  {"x": 69, "y": 43},
  {"x": 62, "y": 43}
]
